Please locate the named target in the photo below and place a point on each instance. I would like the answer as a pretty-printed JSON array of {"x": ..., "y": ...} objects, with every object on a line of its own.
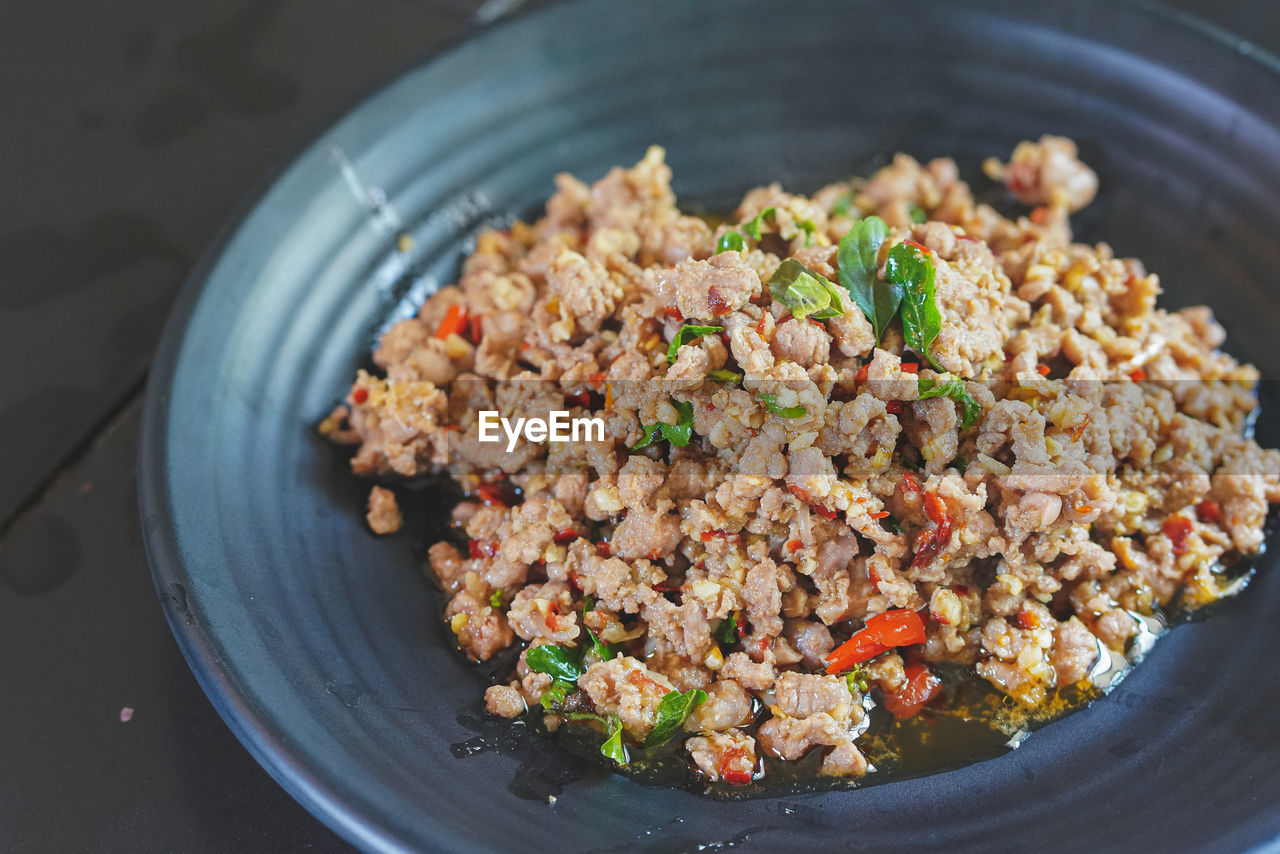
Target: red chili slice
[
  {"x": 492, "y": 494},
  {"x": 916, "y": 693},
  {"x": 1177, "y": 529},
  {"x": 896, "y": 627},
  {"x": 1209, "y": 511}
]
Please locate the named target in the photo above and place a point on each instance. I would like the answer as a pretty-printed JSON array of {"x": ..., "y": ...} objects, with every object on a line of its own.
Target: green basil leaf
[
  {"x": 727, "y": 631},
  {"x": 555, "y": 695},
  {"x": 677, "y": 434},
  {"x": 555, "y": 661},
  {"x": 771, "y": 406},
  {"x": 912, "y": 268},
  {"x": 752, "y": 228},
  {"x": 604, "y": 651},
  {"x": 584, "y": 716},
  {"x": 648, "y": 437},
  {"x": 613, "y": 747},
  {"x": 803, "y": 292},
  {"x": 918, "y": 214},
  {"x": 682, "y": 431},
  {"x": 954, "y": 389},
  {"x": 730, "y": 241},
  {"x": 856, "y": 255},
  {"x": 724, "y": 376},
  {"x": 685, "y": 334},
  {"x": 672, "y": 711}
]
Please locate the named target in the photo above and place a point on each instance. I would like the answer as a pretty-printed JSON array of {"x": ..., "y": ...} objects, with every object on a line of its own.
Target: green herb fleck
[
  {"x": 495, "y": 599},
  {"x": 730, "y": 241},
  {"x": 771, "y": 406},
  {"x": 613, "y": 747},
  {"x": 954, "y": 389},
  {"x": 809, "y": 230},
  {"x": 724, "y": 376},
  {"x": 894, "y": 524},
  {"x": 842, "y": 206},
  {"x": 752, "y": 228},
  {"x": 685, "y": 334},
  {"x": 856, "y": 679},
  {"x": 804, "y": 292},
  {"x": 727, "y": 631},
  {"x": 555, "y": 695},
  {"x": 557, "y": 662},
  {"x": 856, "y": 255},
  {"x": 917, "y": 214},
  {"x": 677, "y": 434},
  {"x": 960, "y": 464},
  {"x": 672, "y": 711},
  {"x": 911, "y": 268}
]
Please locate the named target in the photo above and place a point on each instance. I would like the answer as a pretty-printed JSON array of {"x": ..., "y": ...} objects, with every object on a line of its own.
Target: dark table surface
[{"x": 130, "y": 131}]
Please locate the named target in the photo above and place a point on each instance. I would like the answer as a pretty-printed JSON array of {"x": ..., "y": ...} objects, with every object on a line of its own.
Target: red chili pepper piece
[
  {"x": 910, "y": 367},
  {"x": 596, "y": 380},
  {"x": 477, "y": 329},
  {"x": 563, "y": 538},
  {"x": 360, "y": 395},
  {"x": 491, "y": 493},
  {"x": 672, "y": 312},
  {"x": 863, "y": 371},
  {"x": 582, "y": 398},
  {"x": 909, "y": 483},
  {"x": 925, "y": 249},
  {"x": 1177, "y": 528},
  {"x": 879, "y": 514},
  {"x": 1137, "y": 375},
  {"x": 896, "y": 627},
  {"x": 477, "y": 549},
  {"x": 455, "y": 320},
  {"x": 604, "y": 549},
  {"x": 1042, "y": 369},
  {"x": 916, "y": 692},
  {"x": 930, "y": 542},
  {"x": 794, "y": 546},
  {"x": 893, "y": 407},
  {"x": 1209, "y": 511}
]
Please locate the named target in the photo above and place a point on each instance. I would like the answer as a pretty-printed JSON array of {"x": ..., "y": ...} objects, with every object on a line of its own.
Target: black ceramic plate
[{"x": 320, "y": 645}]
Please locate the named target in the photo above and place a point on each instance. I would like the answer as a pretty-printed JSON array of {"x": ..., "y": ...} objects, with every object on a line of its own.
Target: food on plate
[{"x": 855, "y": 449}]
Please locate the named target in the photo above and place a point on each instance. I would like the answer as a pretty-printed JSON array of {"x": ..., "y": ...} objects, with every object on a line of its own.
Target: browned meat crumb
[{"x": 383, "y": 515}]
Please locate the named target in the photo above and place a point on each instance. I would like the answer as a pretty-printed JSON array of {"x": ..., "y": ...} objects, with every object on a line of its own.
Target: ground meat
[
  {"x": 1065, "y": 454},
  {"x": 758, "y": 676},
  {"x": 1047, "y": 172},
  {"x": 504, "y": 701},
  {"x": 481, "y": 630},
  {"x": 727, "y": 705},
  {"x": 1075, "y": 650},
  {"x": 447, "y": 565},
  {"x": 626, "y": 688},
  {"x": 716, "y": 287},
  {"x": 384, "y": 514},
  {"x": 727, "y": 756}
]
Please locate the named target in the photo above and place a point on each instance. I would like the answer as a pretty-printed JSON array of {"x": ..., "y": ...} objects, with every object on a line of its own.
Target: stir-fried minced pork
[{"x": 787, "y": 486}]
